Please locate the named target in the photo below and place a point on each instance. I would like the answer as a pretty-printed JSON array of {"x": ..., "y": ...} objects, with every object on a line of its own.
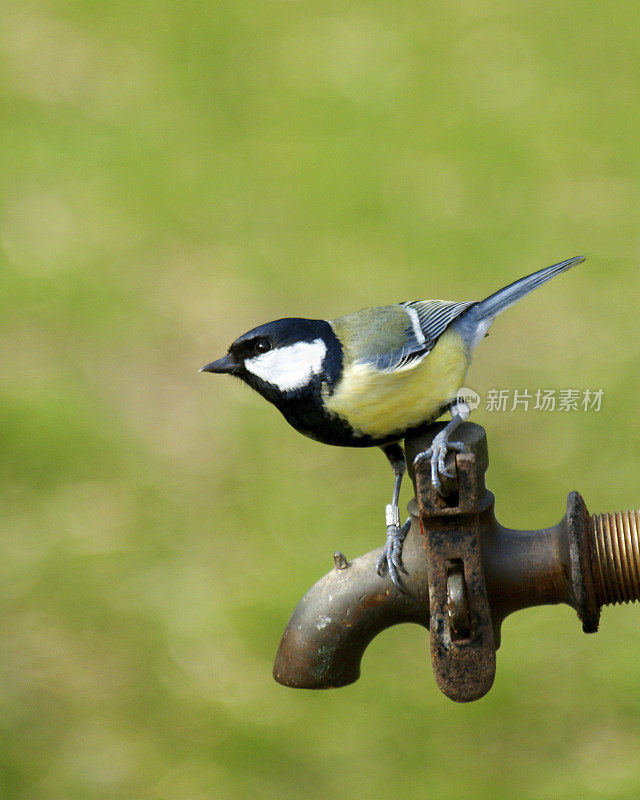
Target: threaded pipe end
[{"x": 615, "y": 540}]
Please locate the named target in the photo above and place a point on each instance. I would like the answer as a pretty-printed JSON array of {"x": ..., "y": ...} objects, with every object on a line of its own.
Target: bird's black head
[{"x": 283, "y": 359}]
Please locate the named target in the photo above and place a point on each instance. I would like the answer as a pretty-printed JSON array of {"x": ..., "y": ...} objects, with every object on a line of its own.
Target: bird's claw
[
  {"x": 391, "y": 558},
  {"x": 436, "y": 455}
]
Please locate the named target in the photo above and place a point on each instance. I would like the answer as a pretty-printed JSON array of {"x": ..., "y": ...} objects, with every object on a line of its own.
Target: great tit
[{"x": 370, "y": 377}]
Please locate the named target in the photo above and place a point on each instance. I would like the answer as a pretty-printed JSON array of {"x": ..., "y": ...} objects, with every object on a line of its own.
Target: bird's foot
[
  {"x": 436, "y": 455},
  {"x": 391, "y": 559}
]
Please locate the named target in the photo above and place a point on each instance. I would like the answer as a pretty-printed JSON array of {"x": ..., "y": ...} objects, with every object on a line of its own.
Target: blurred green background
[{"x": 172, "y": 174}]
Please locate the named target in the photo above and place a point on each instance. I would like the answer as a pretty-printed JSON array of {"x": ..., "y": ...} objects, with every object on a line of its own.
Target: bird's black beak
[{"x": 225, "y": 364}]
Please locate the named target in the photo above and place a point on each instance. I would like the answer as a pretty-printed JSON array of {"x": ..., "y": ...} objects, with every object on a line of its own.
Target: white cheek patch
[{"x": 289, "y": 367}]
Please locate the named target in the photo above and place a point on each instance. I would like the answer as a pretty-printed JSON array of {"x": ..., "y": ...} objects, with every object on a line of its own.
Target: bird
[{"x": 371, "y": 377}]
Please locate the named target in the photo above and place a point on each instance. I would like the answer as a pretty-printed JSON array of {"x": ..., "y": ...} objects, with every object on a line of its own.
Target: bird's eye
[{"x": 263, "y": 346}]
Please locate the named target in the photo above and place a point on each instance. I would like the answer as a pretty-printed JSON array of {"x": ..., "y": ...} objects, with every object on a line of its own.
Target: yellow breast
[{"x": 380, "y": 404}]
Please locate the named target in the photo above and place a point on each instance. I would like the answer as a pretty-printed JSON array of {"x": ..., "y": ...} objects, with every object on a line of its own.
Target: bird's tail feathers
[
  {"x": 497, "y": 302},
  {"x": 476, "y": 321}
]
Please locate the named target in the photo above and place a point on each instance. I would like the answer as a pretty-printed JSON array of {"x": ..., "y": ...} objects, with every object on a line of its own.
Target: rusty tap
[{"x": 465, "y": 574}]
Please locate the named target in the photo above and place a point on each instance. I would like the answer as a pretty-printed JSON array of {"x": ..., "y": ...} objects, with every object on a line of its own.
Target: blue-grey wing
[{"x": 426, "y": 322}]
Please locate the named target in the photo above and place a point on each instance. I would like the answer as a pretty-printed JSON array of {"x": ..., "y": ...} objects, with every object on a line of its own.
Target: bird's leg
[
  {"x": 391, "y": 558},
  {"x": 441, "y": 444}
]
